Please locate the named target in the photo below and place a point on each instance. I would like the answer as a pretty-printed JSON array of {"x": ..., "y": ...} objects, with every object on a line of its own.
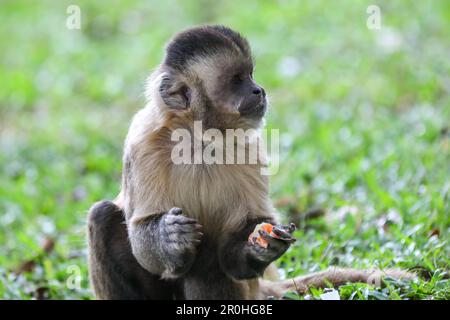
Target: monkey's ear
[{"x": 174, "y": 93}]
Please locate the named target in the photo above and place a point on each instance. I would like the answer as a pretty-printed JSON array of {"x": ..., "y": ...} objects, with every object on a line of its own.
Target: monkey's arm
[
  {"x": 241, "y": 260},
  {"x": 165, "y": 243},
  {"x": 114, "y": 272}
]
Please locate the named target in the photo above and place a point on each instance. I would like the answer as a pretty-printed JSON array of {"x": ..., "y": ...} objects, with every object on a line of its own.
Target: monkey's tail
[{"x": 334, "y": 276}]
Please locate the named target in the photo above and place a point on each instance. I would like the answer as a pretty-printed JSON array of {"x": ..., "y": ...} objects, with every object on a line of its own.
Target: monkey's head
[{"x": 208, "y": 73}]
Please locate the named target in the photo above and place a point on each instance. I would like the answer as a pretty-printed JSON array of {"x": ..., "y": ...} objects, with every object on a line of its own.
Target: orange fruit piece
[{"x": 255, "y": 237}]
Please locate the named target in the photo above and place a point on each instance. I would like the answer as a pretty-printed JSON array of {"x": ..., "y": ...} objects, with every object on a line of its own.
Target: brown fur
[{"x": 221, "y": 198}]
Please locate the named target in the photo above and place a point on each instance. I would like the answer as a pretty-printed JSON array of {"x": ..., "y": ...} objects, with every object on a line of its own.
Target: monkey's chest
[{"x": 218, "y": 197}]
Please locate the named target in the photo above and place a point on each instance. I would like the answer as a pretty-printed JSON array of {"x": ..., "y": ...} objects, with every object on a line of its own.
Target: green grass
[{"x": 364, "y": 118}]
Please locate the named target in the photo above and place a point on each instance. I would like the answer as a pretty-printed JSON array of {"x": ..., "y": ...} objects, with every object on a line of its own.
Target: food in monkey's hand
[{"x": 283, "y": 233}]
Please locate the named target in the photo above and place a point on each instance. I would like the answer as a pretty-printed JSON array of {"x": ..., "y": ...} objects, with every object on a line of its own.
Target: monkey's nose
[{"x": 258, "y": 91}]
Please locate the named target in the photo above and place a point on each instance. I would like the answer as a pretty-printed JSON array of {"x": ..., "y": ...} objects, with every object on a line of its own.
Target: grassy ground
[{"x": 363, "y": 115}]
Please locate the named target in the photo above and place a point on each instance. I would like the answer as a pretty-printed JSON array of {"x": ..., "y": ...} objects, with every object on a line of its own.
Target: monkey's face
[
  {"x": 219, "y": 90},
  {"x": 236, "y": 91},
  {"x": 248, "y": 96},
  {"x": 209, "y": 72},
  {"x": 227, "y": 84}
]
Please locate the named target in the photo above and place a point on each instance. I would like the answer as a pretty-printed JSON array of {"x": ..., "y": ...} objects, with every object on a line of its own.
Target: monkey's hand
[
  {"x": 275, "y": 245},
  {"x": 246, "y": 257},
  {"x": 179, "y": 238}
]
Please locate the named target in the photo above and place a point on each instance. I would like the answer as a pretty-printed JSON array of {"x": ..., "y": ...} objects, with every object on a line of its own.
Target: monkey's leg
[
  {"x": 241, "y": 260},
  {"x": 207, "y": 281},
  {"x": 212, "y": 286},
  {"x": 113, "y": 270}
]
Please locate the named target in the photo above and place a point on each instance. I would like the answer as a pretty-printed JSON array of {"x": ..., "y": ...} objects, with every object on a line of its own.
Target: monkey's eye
[{"x": 237, "y": 78}]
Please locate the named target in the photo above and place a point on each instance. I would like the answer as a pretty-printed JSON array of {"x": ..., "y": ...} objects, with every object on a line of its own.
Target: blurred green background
[{"x": 363, "y": 115}]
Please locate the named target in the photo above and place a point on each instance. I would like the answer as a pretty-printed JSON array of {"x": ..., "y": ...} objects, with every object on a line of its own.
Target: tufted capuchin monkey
[{"x": 180, "y": 230}]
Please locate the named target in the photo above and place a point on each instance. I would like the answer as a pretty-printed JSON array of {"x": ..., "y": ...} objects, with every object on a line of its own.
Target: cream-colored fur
[
  {"x": 216, "y": 195},
  {"x": 220, "y": 197}
]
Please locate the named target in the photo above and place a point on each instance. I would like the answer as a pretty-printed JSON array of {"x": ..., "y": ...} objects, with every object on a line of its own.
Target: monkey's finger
[
  {"x": 292, "y": 225},
  {"x": 195, "y": 237},
  {"x": 183, "y": 228},
  {"x": 180, "y": 219},
  {"x": 183, "y": 235},
  {"x": 199, "y": 236},
  {"x": 185, "y": 220},
  {"x": 283, "y": 232},
  {"x": 175, "y": 211},
  {"x": 288, "y": 240},
  {"x": 290, "y": 228},
  {"x": 266, "y": 236},
  {"x": 280, "y": 232}
]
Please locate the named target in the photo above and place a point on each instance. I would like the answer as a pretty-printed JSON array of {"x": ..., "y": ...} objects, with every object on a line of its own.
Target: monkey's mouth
[
  {"x": 260, "y": 109},
  {"x": 255, "y": 111}
]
